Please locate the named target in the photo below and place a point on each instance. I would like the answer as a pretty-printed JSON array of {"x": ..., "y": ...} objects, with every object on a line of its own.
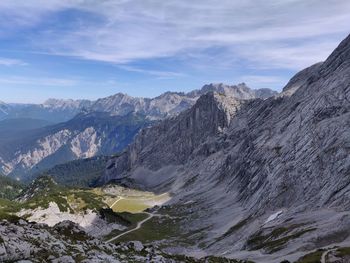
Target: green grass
[
  {"x": 276, "y": 239},
  {"x": 7, "y": 210},
  {"x": 234, "y": 228},
  {"x": 9, "y": 188},
  {"x": 155, "y": 229},
  {"x": 138, "y": 202},
  {"x": 130, "y": 205},
  {"x": 126, "y": 219},
  {"x": 313, "y": 257},
  {"x": 343, "y": 251}
]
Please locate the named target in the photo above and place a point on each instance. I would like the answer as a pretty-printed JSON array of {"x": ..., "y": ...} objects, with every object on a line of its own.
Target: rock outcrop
[{"x": 173, "y": 141}]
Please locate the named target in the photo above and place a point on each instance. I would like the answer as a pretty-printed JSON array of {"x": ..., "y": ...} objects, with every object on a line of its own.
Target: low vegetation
[
  {"x": 277, "y": 238},
  {"x": 78, "y": 173},
  {"x": 156, "y": 229},
  {"x": 313, "y": 257},
  {"x": 9, "y": 188}
]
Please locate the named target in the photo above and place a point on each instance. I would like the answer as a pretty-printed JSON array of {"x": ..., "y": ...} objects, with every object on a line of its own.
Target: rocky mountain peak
[
  {"x": 338, "y": 59},
  {"x": 239, "y": 91},
  {"x": 301, "y": 78},
  {"x": 210, "y": 115}
]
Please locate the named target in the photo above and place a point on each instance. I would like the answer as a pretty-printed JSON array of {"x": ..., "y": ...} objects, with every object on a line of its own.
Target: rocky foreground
[{"x": 66, "y": 242}]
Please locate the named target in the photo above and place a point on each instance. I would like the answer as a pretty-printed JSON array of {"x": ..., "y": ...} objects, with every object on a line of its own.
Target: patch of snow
[{"x": 274, "y": 216}]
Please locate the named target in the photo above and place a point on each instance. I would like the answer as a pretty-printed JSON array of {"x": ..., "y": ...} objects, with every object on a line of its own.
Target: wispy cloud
[
  {"x": 49, "y": 82},
  {"x": 12, "y": 62},
  {"x": 156, "y": 73},
  {"x": 262, "y": 81},
  {"x": 286, "y": 34}
]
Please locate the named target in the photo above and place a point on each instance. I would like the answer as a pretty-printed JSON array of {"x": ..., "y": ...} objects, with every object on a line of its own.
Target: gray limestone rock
[{"x": 241, "y": 162}]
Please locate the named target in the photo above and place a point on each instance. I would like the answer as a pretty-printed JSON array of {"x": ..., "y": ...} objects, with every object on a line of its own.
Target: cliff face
[
  {"x": 257, "y": 166},
  {"x": 174, "y": 140}
]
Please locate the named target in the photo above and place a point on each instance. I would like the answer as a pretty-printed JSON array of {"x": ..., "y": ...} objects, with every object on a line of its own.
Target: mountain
[
  {"x": 77, "y": 173},
  {"x": 84, "y": 136},
  {"x": 13, "y": 127},
  {"x": 240, "y": 91},
  {"x": 165, "y": 105},
  {"x": 263, "y": 179},
  {"x": 171, "y": 103},
  {"x": 102, "y": 127}
]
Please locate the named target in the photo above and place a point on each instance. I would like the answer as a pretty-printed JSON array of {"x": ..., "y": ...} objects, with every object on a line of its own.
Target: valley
[{"x": 116, "y": 169}]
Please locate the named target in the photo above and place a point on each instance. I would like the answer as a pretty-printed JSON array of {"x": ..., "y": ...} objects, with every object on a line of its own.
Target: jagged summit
[
  {"x": 210, "y": 115},
  {"x": 239, "y": 91},
  {"x": 301, "y": 78},
  {"x": 340, "y": 56}
]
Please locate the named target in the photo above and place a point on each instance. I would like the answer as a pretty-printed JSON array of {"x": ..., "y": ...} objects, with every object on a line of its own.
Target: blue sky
[{"x": 95, "y": 48}]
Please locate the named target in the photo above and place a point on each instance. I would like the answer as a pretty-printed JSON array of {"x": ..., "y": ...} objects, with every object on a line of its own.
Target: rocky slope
[
  {"x": 84, "y": 136},
  {"x": 259, "y": 179},
  {"x": 66, "y": 242}
]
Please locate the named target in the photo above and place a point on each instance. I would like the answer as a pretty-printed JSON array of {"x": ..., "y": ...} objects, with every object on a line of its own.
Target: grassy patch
[
  {"x": 314, "y": 257},
  {"x": 137, "y": 203},
  {"x": 276, "y": 239},
  {"x": 234, "y": 228},
  {"x": 343, "y": 251},
  {"x": 153, "y": 230},
  {"x": 9, "y": 188},
  {"x": 130, "y": 205},
  {"x": 7, "y": 209}
]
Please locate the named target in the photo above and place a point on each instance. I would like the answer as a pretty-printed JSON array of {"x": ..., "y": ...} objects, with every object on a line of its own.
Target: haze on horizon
[{"x": 92, "y": 49}]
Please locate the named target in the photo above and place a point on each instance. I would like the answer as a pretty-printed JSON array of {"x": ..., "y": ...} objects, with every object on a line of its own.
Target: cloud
[
  {"x": 159, "y": 74},
  {"x": 56, "y": 82},
  {"x": 263, "y": 81},
  {"x": 288, "y": 34},
  {"x": 12, "y": 62}
]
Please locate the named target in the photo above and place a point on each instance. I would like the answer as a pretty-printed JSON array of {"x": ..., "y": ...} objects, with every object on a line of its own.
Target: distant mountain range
[
  {"x": 165, "y": 105},
  {"x": 84, "y": 129}
]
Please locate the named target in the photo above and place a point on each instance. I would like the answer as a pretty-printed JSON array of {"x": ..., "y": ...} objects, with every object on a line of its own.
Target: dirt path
[
  {"x": 324, "y": 255},
  {"x": 119, "y": 198},
  {"x": 139, "y": 225}
]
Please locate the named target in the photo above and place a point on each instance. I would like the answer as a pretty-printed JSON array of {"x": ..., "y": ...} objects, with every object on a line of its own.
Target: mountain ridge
[
  {"x": 162, "y": 106},
  {"x": 90, "y": 132}
]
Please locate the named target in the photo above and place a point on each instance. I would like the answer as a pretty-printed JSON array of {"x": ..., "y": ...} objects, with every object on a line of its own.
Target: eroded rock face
[
  {"x": 85, "y": 136},
  {"x": 151, "y": 149},
  {"x": 288, "y": 154}
]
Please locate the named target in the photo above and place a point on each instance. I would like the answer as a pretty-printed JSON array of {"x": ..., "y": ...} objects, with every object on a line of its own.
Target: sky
[{"x": 95, "y": 48}]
